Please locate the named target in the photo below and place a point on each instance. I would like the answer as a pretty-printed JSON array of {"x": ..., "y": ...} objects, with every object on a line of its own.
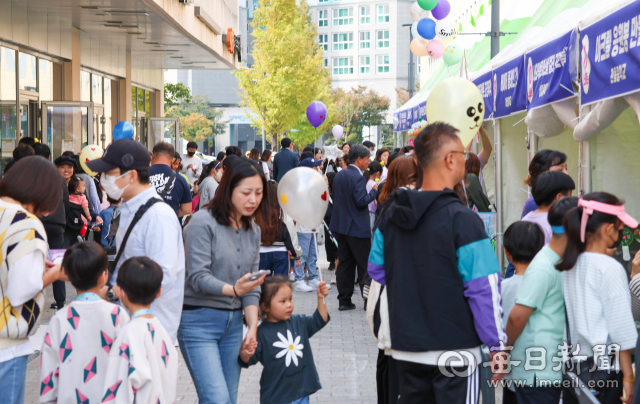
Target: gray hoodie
[{"x": 217, "y": 255}]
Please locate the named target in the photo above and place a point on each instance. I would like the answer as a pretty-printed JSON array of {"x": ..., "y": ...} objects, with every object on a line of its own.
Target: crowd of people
[{"x": 166, "y": 251}]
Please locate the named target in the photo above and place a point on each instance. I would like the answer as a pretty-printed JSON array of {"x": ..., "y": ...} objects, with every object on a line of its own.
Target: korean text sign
[
  {"x": 486, "y": 86},
  {"x": 510, "y": 96}
]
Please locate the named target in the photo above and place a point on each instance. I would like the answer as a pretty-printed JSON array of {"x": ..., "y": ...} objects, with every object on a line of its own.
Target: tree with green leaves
[
  {"x": 176, "y": 93},
  {"x": 360, "y": 107},
  {"x": 287, "y": 73},
  {"x": 198, "y": 120}
]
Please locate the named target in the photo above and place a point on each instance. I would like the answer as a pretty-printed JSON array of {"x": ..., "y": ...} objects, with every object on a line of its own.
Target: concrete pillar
[
  {"x": 125, "y": 92},
  {"x": 160, "y": 98},
  {"x": 72, "y": 69}
]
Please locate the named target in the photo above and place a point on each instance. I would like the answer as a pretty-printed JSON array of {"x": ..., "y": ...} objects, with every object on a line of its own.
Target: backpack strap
[
  {"x": 141, "y": 211},
  {"x": 172, "y": 179}
]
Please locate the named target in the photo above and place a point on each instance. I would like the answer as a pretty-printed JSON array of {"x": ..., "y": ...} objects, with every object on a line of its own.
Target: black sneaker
[
  {"x": 54, "y": 305},
  {"x": 348, "y": 306},
  {"x": 332, "y": 266}
]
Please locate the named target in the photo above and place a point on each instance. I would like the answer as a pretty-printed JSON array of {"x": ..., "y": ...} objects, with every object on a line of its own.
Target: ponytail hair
[{"x": 572, "y": 221}]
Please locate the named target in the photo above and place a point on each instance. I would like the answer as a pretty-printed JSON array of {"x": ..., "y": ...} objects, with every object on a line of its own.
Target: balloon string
[{"x": 315, "y": 238}]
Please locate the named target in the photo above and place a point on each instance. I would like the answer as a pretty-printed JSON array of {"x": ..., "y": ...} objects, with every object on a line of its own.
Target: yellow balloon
[
  {"x": 457, "y": 102},
  {"x": 419, "y": 46},
  {"x": 90, "y": 152}
]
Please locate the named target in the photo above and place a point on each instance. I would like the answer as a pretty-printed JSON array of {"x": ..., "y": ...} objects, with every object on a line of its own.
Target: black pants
[
  {"x": 330, "y": 248},
  {"x": 426, "y": 384},
  {"x": 57, "y": 242},
  {"x": 387, "y": 379},
  {"x": 352, "y": 251},
  {"x": 538, "y": 395}
]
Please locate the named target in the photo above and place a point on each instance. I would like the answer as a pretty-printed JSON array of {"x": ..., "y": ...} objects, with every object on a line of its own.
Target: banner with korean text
[
  {"x": 548, "y": 76},
  {"x": 510, "y": 97},
  {"x": 486, "y": 86},
  {"x": 610, "y": 55}
]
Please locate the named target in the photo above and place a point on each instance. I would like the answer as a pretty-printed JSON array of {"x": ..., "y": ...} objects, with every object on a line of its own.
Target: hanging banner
[
  {"x": 548, "y": 76},
  {"x": 510, "y": 97},
  {"x": 416, "y": 114},
  {"x": 423, "y": 111},
  {"x": 485, "y": 85},
  {"x": 610, "y": 55},
  {"x": 404, "y": 120},
  {"x": 396, "y": 122}
]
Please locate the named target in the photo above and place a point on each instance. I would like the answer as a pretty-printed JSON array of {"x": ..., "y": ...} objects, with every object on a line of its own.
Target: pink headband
[{"x": 588, "y": 207}]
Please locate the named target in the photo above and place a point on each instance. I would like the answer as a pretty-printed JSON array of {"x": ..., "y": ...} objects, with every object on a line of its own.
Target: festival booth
[{"x": 411, "y": 113}]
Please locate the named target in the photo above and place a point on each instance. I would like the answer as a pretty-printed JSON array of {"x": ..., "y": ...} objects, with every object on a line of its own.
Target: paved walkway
[{"x": 344, "y": 351}]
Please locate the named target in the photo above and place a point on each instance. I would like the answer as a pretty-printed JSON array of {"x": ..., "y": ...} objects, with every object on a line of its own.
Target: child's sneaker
[
  {"x": 301, "y": 286},
  {"x": 292, "y": 276}
]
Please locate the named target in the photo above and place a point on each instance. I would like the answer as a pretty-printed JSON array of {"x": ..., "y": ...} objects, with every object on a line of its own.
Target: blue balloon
[
  {"x": 427, "y": 28},
  {"x": 123, "y": 130}
]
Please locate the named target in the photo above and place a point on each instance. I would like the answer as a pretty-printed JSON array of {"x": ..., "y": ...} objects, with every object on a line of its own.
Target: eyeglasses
[{"x": 465, "y": 153}]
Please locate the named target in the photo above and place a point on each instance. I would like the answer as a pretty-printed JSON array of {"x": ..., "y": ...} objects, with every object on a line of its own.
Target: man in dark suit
[
  {"x": 350, "y": 221},
  {"x": 285, "y": 160}
]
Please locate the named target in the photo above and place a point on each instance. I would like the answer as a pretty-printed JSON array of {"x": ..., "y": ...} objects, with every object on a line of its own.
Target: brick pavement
[{"x": 344, "y": 351}]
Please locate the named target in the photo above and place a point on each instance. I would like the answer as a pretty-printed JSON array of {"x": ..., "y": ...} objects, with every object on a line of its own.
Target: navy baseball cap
[
  {"x": 128, "y": 154},
  {"x": 310, "y": 162}
]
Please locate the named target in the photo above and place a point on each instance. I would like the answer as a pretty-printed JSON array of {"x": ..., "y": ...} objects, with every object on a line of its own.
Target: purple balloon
[
  {"x": 316, "y": 113},
  {"x": 442, "y": 10}
]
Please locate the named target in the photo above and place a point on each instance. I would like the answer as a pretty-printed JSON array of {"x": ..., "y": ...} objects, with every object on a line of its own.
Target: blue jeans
[
  {"x": 210, "y": 342},
  {"x": 13, "y": 376},
  {"x": 303, "y": 400},
  {"x": 277, "y": 262},
  {"x": 308, "y": 245}
]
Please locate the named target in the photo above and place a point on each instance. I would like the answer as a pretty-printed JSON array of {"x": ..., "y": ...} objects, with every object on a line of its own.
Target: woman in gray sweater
[{"x": 222, "y": 249}]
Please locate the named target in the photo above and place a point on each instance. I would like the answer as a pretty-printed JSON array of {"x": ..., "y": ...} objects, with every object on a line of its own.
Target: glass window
[
  {"x": 46, "y": 80},
  {"x": 7, "y": 74},
  {"x": 141, "y": 106},
  {"x": 323, "y": 40},
  {"x": 323, "y": 1},
  {"x": 365, "y": 65},
  {"x": 96, "y": 86},
  {"x": 383, "y": 14},
  {"x": 85, "y": 86},
  {"x": 383, "y": 39},
  {"x": 342, "y": 16},
  {"x": 342, "y": 66},
  {"x": 343, "y": 41},
  {"x": 365, "y": 15},
  {"x": 365, "y": 40},
  {"x": 134, "y": 106},
  {"x": 325, "y": 62},
  {"x": 107, "y": 112},
  {"x": 383, "y": 64},
  {"x": 147, "y": 103},
  {"x": 28, "y": 73},
  {"x": 323, "y": 18}
]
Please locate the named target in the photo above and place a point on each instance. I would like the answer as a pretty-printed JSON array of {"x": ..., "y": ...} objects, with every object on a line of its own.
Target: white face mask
[{"x": 108, "y": 182}]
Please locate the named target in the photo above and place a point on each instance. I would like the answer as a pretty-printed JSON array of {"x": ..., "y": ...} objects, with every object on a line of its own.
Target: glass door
[
  {"x": 29, "y": 109},
  {"x": 99, "y": 122},
  {"x": 163, "y": 130},
  {"x": 141, "y": 127},
  {"x": 68, "y": 125}
]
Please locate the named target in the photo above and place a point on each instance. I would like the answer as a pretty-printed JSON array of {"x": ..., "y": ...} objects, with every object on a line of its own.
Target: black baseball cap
[
  {"x": 310, "y": 162},
  {"x": 127, "y": 154}
]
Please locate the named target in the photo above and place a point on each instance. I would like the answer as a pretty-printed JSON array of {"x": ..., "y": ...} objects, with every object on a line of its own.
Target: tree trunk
[{"x": 275, "y": 146}]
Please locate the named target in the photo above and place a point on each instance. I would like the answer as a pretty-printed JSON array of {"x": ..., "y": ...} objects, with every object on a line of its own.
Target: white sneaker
[
  {"x": 333, "y": 280},
  {"x": 314, "y": 283},
  {"x": 292, "y": 276},
  {"x": 300, "y": 286}
]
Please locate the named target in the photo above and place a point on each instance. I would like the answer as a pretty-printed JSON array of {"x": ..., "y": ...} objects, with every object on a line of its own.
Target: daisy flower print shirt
[{"x": 283, "y": 349}]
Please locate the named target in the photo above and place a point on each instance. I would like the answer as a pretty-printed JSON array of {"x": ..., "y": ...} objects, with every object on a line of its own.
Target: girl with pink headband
[{"x": 597, "y": 299}]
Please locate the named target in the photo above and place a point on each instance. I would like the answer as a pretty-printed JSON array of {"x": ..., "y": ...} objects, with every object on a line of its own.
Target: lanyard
[
  {"x": 88, "y": 297},
  {"x": 141, "y": 313}
]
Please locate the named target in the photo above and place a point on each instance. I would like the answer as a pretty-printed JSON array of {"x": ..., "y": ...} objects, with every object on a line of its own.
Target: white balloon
[
  {"x": 304, "y": 196},
  {"x": 446, "y": 30},
  {"x": 414, "y": 30},
  {"x": 417, "y": 13},
  {"x": 337, "y": 131}
]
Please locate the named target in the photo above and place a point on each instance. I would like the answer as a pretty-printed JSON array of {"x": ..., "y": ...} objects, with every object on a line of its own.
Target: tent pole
[
  {"x": 584, "y": 179},
  {"x": 495, "y": 28},
  {"x": 497, "y": 146}
]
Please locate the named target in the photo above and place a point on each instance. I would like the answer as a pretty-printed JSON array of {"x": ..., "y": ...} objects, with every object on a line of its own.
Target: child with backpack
[
  {"x": 143, "y": 363},
  {"x": 79, "y": 215},
  {"x": 283, "y": 347},
  {"x": 80, "y": 337}
]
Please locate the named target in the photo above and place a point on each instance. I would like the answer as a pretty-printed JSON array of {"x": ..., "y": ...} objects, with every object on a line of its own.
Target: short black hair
[
  {"x": 396, "y": 150},
  {"x": 192, "y": 145},
  {"x": 28, "y": 141},
  {"x": 42, "y": 150},
  {"x": 523, "y": 240},
  {"x": 34, "y": 181},
  {"x": 358, "y": 151},
  {"x": 112, "y": 201},
  {"x": 375, "y": 167},
  {"x": 392, "y": 157},
  {"x": 164, "y": 148},
  {"x": 559, "y": 209},
  {"x": 233, "y": 151},
  {"x": 549, "y": 184},
  {"x": 220, "y": 156},
  {"x": 430, "y": 141},
  {"x": 143, "y": 175},
  {"x": 285, "y": 143},
  {"x": 84, "y": 263},
  {"x": 177, "y": 156},
  {"x": 23, "y": 150},
  {"x": 141, "y": 279},
  {"x": 73, "y": 184},
  {"x": 368, "y": 144}
]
